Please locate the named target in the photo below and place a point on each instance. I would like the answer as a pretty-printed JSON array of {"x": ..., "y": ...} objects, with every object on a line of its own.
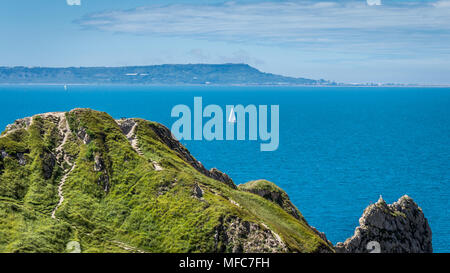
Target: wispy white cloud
[
  {"x": 237, "y": 56},
  {"x": 442, "y": 4},
  {"x": 74, "y": 2},
  {"x": 200, "y": 55},
  {"x": 342, "y": 25},
  {"x": 240, "y": 56}
]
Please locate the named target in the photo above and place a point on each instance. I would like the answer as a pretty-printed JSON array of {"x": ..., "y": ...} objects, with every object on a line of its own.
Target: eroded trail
[
  {"x": 131, "y": 136},
  {"x": 60, "y": 191},
  {"x": 64, "y": 130}
]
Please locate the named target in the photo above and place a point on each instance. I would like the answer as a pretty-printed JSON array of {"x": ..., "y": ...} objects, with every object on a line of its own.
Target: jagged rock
[
  {"x": 165, "y": 135},
  {"x": 398, "y": 228},
  {"x": 98, "y": 163},
  {"x": 84, "y": 136},
  {"x": 19, "y": 124},
  {"x": 3, "y": 154},
  {"x": 126, "y": 125},
  {"x": 223, "y": 177},
  {"x": 244, "y": 236},
  {"x": 21, "y": 158},
  {"x": 197, "y": 191},
  {"x": 322, "y": 236}
]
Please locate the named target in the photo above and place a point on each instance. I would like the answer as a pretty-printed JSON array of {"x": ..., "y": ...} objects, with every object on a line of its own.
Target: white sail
[
  {"x": 232, "y": 118},
  {"x": 65, "y": 87}
]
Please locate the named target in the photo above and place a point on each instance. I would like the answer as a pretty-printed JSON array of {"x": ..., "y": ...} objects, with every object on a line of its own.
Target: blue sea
[{"x": 340, "y": 148}]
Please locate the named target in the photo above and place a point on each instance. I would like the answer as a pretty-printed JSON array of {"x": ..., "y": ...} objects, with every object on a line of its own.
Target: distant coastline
[
  {"x": 237, "y": 85},
  {"x": 169, "y": 75}
]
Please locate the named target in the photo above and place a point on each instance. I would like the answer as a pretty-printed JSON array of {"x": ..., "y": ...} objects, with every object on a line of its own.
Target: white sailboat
[
  {"x": 232, "y": 117},
  {"x": 65, "y": 87}
]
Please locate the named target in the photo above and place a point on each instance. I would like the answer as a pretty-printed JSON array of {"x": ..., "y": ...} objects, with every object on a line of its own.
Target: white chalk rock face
[{"x": 400, "y": 227}]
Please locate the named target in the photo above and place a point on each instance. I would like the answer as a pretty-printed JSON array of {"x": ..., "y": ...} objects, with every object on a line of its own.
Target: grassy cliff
[{"x": 128, "y": 186}]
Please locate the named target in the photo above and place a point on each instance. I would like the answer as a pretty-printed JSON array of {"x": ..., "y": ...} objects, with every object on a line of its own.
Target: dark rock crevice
[
  {"x": 100, "y": 167},
  {"x": 20, "y": 157},
  {"x": 48, "y": 164},
  {"x": 235, "y": 235}
]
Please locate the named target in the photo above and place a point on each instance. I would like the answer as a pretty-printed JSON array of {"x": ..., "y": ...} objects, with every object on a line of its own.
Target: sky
[{"x": 351, "y": 41}]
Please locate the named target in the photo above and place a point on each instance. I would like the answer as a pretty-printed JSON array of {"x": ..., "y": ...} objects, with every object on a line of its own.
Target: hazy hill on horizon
[{"x": 222, "y": 74}]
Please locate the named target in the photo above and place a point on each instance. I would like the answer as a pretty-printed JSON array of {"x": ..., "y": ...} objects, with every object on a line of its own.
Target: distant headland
[{"x": 166, "y": 74}]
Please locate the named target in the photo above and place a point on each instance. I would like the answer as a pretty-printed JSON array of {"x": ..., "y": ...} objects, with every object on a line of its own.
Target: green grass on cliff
[
  {"x": 261, "y": 185},
  {"x": 127, "y": 202}
]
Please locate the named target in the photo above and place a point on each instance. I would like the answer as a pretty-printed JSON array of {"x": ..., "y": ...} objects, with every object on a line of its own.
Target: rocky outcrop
[
  {"x": 197, "y": 191},
  {"x": 220, "y": 176},
  {"x": 238, "y": 236},
  {"x": 23, "y": 123},
  {"x": 99, "y": 165},
  {"x": 83, "y": 135},
  {"x": 323, "y": 237},
  {"x": 400, "y": 227},
  {"x": 128, "y": 128},
  {"x": 272, "y": 192},
  {"x": 126, "y": 125},
  {"x": 3, "y": 154},
  {"x": 19, "y": 156},
  {"x": 275, "y": 194}
]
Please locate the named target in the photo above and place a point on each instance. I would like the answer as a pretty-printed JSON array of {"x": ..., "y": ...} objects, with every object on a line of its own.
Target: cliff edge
[{"x": 82, "y": 178}]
